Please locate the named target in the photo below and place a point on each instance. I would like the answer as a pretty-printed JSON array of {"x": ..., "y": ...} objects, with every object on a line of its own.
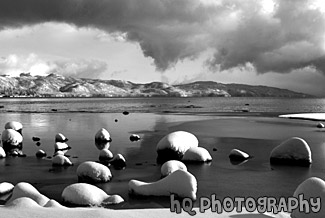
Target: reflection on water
[{"x": 255, "y": 177}]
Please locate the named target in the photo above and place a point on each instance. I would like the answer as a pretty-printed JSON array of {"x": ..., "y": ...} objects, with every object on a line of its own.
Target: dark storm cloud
[{"x": 238, "y": 31}]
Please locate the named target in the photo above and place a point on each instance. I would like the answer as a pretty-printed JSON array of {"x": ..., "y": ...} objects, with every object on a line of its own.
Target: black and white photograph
[{"x": 162, "y": 108}]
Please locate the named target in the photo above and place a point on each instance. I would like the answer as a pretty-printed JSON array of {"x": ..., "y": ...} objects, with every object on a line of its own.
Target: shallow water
[{"x": 255, "y": 135}]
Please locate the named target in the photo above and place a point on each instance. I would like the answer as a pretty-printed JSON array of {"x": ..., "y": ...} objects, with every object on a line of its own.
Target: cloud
[
  {"x": 272, "y": 35},
  {"x": 14, "y": 65}
]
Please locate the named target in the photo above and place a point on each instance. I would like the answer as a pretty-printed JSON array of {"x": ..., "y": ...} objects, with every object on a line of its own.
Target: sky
[{"x": 279, "y": 43}]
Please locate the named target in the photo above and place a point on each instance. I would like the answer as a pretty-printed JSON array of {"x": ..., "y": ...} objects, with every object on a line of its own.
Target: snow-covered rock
[
  {"x": 59, "y": 137},
  {"x": 181, "y": 183},
  {"x": 2, "y": 153},
  {"x": 293, "y": 151},
  {"x": 6, "y": 187},
  {"x": 61, "y": 146},
  {"x": 236, "y": 154},
  {"x": 174, "y": 145},
  {"x": 320, "y": 125},
  {"x": 134, "y": 138},
  {"x": 171, "y": 166},
  {"x": 93, "y": 172},
  {"x": 54, "y": 204},
  {"x": 118, "y": 162},
  {"x": 102, "y": 139},
  {"x": 61, "y": 160},
  {"x": 88, "y": 195},
  {"x": 311, "y": 188},
  {"x": 15, "y": 126},
  {"x": 197, "y": 154},
  {"x": 40, "y": 154},
  {"x": 105, "y": 155},
  {"x": 11, "y": 137},
  {"x": 24, "y": 189}
]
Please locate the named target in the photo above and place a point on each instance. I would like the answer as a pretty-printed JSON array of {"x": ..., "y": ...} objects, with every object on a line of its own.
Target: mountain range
[{"x": 54, "y": 85}]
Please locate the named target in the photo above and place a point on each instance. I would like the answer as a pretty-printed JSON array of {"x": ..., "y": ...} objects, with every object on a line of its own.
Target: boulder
[
  {"x": 134, "y": 138},
  {"x": 5, "y": 188},
  {"x": 118, "y": 162},
  {"x": 181, "y": 183},
  {"x": 24, "y": 189},
  {"x": 174, "y": 145},
  {"x": 197, "y": 154},
  {"x": 293, "y": 151},
  {"x": 311, "y": 188},
  {"x": 61, "y": 160},
  {"x": 11, "y": 137},
  {"x": 17, "y": 126},
  {"x": 320, "y": 125},
  {"x": 171, "y": 166},
  {"x": 61, "y": 146},
  {"x": 238, "y": 155},
  {"x": 59, "y": 137},
  {"x": 92, "y": 172},
  {"x": 41, "y": 154},
  {"x": 83, "y": 194},
  {"x": 2, "y": 153},
  {"x": 105, "y": 155},
  {"x": 102, "y": 139}
]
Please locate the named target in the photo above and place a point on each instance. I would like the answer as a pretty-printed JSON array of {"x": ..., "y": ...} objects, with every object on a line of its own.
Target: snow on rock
[
  {"x": 197, "y": 154},
  {"x": 24, "y": 189},
  {"x": 102, "y": 139},
  {"x": 105, "y": 155},
  {"x": 236, "y": 154},
  {"x": 11, "y": 137},
  {"x": 40, "y": 154},
  {"x": 305, "y": 116},
  {"x": 293, "y": 151},
  {"x": 174, "y": 145},
  {"x": 6, "y": 187},
  {"x": 2, "y": 153},
  {"x": 181, "y": 183},
  {"x": 311, "y": 188},
  {"x": 17, "y": 126},
  {"x": 53, "y": 204},
  {"x": 93, "y": 172},
  {"x": 61, "y": 160},
  {"x": 118, "y": 162},
  {"x": 84, "y": 194},
  {"x": 320, "y": 125},
  {"x": 59, "y": 137},
  {"x": 23, "y": 202},
  {"x": 171, "y": 166},
  {"x": 61, "y": 146},
  {"x": 134, "y": 138}
]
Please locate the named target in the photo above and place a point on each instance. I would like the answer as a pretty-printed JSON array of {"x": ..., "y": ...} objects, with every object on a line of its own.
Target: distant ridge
[{"x": 55, "y": 85}]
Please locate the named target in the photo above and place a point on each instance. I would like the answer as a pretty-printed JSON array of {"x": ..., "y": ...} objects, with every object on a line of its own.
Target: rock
[
  {"x": 83, "y": 194},
  {"x": 134, "y": 138},
  {"x": 38, "y": 144},
  {"x": 238, "y": 155},
  {"x": 105, "y": 155},
  {"x": 15, "y": 126},
  {"x": 36, "y": 139},
  {"x": 197, "y": 154},
  {"x": 24, "y": 189},
  {"x": 294, "y": 151},
  {"x": 61, "y": 146},
  {"x": 311, "y": 188},
  {"x": 41, "y": 154},
  {"x": 320, "y": 125},
  {"x": 118, "y": 162},
  {"x": 59, "y": 137},
  {"x": 53, "y": 204},
  {"x": 181, "y": 183},
  {"x": 61, "y": 160},
  {"x": 174, "y": 145},
  {"x": 171, "y": 166},
  {"x": 2, "y": 153},
  {"x": 92, "y": 172},
  {"x": 5, "y": 188},
  {"x": 102, "y": 139},
  {"x": 126, "y": 113},
  {"x": 11, "y": 137}
]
